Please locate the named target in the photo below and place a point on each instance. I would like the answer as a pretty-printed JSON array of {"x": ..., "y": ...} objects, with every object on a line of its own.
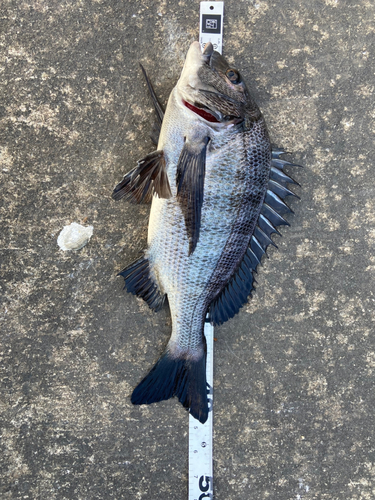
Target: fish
[{"x": 217, "y": 189}]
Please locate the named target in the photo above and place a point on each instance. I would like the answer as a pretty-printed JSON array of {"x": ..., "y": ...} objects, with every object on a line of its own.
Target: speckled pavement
[{"x": 294, "y": 371}]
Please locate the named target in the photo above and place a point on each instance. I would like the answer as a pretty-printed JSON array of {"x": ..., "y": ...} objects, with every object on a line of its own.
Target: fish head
[{"x": 210, "y": 87}]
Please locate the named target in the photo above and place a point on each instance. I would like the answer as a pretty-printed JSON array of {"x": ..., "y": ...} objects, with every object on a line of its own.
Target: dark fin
[
  {"x": 190, "y": 184},
  {"x": 149, "y": 177},
  {"x": 139, "y": 282},
  {"x": 277, "y": 203},
  {"x": 235, "y": 294},
  {"x": 281, "y": 191},
  {"x": 155, "y": 132},
  {"x": 181, "y": 377},
  {"x": 277, "y": 152},
  {"x": 277, "y": 162},
  {"x": 263, "y": 238},
  {"x": 266, "y": 226},
  {"x": 275, "y": 218},
  {"x": 257, "y": 248},
  {"x": 280, "y": 177},
  {"x": 158, "y": 107}
]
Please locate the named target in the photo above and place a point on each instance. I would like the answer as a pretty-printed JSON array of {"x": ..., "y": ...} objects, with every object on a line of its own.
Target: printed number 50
[{"x": 205, "y": 487}]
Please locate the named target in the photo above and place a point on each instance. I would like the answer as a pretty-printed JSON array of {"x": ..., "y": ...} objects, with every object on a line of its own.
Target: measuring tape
[
  {"x": 211, "y": 24},
  {"x": 201, "y": 435}
]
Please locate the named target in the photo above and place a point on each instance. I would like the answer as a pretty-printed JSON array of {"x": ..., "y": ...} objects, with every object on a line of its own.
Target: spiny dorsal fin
[
  {"x": 236, "y": 292},
  {"x": 149, "y": 177},
  {"x": 190, "y": 185}
]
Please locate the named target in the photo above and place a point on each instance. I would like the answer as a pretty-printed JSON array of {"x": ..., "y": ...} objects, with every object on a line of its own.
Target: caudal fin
[{"x": 181, "y": 377}]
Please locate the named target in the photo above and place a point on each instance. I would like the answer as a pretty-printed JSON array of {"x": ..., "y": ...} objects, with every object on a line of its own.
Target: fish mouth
[
  {"x": 211, "y": 115},
  {"x": 203, "y": 112}
]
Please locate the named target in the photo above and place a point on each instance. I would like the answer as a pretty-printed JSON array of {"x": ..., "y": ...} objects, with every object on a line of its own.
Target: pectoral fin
[
  {"x": 190, "y": 186},
  {"x": 149, "y": 177}
]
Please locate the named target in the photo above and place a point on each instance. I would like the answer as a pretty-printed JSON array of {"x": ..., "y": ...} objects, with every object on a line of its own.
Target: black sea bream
[{"x": 217, "y": 189}]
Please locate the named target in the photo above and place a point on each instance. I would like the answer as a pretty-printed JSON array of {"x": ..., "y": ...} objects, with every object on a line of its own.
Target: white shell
[{"x": 74, "y": 236}]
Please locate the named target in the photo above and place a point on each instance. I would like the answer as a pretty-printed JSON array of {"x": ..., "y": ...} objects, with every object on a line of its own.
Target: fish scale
[{"x": 191, "y": 282}]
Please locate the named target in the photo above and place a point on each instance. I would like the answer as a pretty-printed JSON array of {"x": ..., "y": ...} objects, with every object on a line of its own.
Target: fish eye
[{"x": 233, "y": 76}]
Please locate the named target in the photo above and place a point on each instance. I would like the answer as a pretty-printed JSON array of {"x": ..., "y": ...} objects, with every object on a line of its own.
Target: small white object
[
  {"x": 211, "y": 25},
  {"x": 201, "y": 436},
  {"x": 74, "y": 236}
]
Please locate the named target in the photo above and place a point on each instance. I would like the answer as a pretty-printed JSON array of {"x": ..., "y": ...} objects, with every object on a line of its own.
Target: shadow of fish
[{"x": 217, "y": 191}]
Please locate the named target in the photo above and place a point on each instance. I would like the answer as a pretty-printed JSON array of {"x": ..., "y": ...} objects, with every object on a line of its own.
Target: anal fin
[{"x": 139, "y": 282}]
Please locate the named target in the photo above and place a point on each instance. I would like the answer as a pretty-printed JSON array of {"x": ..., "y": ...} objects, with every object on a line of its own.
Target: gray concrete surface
[{"x": 294, "y": 371}]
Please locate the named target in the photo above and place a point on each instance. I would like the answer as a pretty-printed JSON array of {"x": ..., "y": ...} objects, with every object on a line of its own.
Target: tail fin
[{"x": 176, "y": 376}]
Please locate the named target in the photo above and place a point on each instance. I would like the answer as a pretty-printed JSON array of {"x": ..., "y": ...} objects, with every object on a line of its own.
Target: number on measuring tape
[
  {"x": 205, "y": 484},
  {"x": 210, "y": 393},
  {"x": 206, "y": 480}
]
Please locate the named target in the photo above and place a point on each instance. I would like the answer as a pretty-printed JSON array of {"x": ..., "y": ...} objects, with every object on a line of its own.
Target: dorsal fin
[{"x": 238, "y": 289}]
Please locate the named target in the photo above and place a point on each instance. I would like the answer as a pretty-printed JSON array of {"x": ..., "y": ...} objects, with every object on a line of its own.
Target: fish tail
[{"x": 183, "y": 376}]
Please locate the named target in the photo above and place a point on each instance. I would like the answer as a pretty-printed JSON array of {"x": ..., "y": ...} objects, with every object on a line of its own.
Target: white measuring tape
[
  {"x": 201, "y": 435},
  {"x": 211, "y": 24}
]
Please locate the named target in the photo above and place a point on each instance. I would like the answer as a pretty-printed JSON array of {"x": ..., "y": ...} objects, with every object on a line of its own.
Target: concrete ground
[{"x": 295, "y": 370}]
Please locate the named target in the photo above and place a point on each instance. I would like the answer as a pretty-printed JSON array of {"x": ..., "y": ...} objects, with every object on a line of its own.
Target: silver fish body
[
  {"x": 234, "y": 189},
  {"x": 209, "y": 186}
]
